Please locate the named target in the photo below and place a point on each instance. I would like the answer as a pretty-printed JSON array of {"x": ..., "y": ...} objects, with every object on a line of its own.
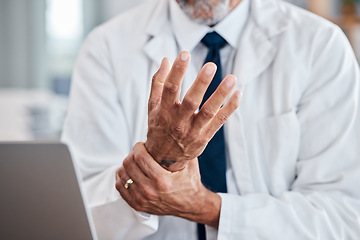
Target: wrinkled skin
[{"x": 176, "y": 134}]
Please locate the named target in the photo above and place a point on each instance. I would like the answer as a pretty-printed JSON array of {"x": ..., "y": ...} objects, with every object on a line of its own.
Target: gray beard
[{"x": 219, "y": 11}]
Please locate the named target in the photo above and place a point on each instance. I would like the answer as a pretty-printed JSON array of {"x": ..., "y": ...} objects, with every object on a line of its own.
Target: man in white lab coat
[{"x": 292, "y": 146}]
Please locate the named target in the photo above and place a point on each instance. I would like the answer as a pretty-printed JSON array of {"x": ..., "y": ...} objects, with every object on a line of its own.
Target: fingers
[
  {"x": 157, "y": 84},
  {"x": 133, "y": 171},
  {"x": 144, "y": 190},
  {"x": 122, "y": 175},
  {"x": 141, "y": 190},
  {"x": 213, "y": 104},
  {"x": 133, "y": 194},
  {"x": 194, "y": 96},
  {"x": 172, "y": 85},
  {"x": 223, "y": 114},
  {"x": 121, "y": 178}
]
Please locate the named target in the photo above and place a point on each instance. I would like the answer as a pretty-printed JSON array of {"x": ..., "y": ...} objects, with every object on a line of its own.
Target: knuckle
[
  {"x": 137, "y": 206},
  {"x": 141, "y": 202},
  {"x": 149, "y": 194},
  {"x": 209, "y": 113},
  {"x": 157, "y": 180},
  {"x": 163, "y": 186},
  {"x": 204, "y": 141},
  {"x": 137, "y": 145},
  {"x": 153, "y": 103},
  {"x": 171, "y": 87},
  {"x": 162, "y": 118},
  {"x": 117, "y": 185},
  {"x": 223, "y": 92},
  {"x": 177, "y": 130},
  {"x": 154, "y": 77},
  {"x": 179, "y": 67},
  {"x": 189, "y": 104},
  {"x": 152, "y": 122},
  {"x": 193, "y": 135},
  {"x": 126, "y": 163},
  {"x": 222, "y": 118},
  {"x": 204, "y": 80},
  {"x": 139, "y": 158},
  {"x": 234, "y": 105},
  {"x": 118, "y": 172}
]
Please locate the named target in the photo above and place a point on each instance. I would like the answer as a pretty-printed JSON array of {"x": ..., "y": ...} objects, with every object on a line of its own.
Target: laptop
[{"x": 40, "y": 195}]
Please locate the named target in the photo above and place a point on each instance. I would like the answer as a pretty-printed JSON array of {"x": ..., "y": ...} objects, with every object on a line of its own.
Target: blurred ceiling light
[{"x": 64, "y": 19}]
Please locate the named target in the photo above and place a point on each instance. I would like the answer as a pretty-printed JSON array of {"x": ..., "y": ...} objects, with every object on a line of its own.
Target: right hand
[
  {"x": 157, "y": 191},
  {"x": 176, "y": 134}
]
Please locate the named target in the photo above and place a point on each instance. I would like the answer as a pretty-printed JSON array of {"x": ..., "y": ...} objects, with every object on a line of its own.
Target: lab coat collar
[
  {"x": 256, "y": 52},
  {"x": 269, "y": 17},
  {"x": 159, "y": 17},
  {"x": 161, "y": 41}
]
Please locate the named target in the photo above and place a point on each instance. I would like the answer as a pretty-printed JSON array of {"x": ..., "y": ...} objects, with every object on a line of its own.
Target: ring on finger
[{"x": 128, "y": 183}]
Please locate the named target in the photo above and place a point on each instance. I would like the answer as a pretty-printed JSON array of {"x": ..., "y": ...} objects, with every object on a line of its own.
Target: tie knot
[{"x": 213, "y": 40}]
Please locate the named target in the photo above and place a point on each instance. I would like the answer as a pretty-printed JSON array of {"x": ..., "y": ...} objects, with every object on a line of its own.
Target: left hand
[
  {"x": 176, "y": 133},
  {"x": 160, "y": 192}
]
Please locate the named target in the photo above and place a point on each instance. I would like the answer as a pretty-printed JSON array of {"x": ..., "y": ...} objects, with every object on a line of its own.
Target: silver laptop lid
[{"x": 40, "y": 197}]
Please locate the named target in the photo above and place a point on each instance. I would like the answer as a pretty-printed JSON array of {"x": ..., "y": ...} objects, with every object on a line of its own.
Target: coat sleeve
[
  {"x": 323, "y": 201},
  {"x": 97, "y": 132}
]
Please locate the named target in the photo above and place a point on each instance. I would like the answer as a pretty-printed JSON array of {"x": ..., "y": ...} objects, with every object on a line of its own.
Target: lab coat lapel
[
  {"x": 162, "y": 43},
  {"x": 160, "y": 46},
  {"x": 254, "y": 55},
  {"x": 161, "y": 40},
  {"x": 255, "y": 51}
]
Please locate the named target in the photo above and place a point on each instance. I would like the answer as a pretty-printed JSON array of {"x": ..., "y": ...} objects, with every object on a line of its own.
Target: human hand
[
  {"x": 157, "y": 191},
  {"x": 176, "y": 134}
]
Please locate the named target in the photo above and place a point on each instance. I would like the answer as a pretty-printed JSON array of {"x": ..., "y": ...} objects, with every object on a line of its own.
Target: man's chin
[{"x": 205, "y": 14}]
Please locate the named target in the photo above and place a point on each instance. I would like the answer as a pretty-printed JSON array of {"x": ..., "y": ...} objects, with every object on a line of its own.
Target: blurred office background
[{"x": 39, "y": 42}]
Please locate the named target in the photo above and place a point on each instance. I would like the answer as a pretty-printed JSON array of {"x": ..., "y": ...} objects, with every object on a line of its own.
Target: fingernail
[
  {"x": 210, "y": 69},
  {"x": 230, "y": 81},
  {"x": 184, "y": 56}
]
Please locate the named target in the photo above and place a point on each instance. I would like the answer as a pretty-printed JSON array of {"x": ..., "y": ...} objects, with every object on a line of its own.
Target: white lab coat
[{"x": 293, "y": 144}]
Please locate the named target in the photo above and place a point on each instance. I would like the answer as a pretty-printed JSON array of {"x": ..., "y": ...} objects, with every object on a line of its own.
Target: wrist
[
  {"x": 211, "y": 214},
  {"x": 209, "y": 211},
  {"x": 170, "y": 165}
]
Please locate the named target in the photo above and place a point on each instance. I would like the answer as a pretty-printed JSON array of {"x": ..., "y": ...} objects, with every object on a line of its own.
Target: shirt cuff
[
  {"x": 211, "y": 233},
  {"x": 143, "y": 216},
  {"x": 227, "y": 217}
]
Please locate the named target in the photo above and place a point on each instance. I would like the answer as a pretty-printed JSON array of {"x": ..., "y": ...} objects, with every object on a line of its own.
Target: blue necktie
[{"x": 212, "y": 161}]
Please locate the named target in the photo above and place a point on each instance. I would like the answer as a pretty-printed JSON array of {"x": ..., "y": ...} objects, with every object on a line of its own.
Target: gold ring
[{"x": 128, "y": 183}]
